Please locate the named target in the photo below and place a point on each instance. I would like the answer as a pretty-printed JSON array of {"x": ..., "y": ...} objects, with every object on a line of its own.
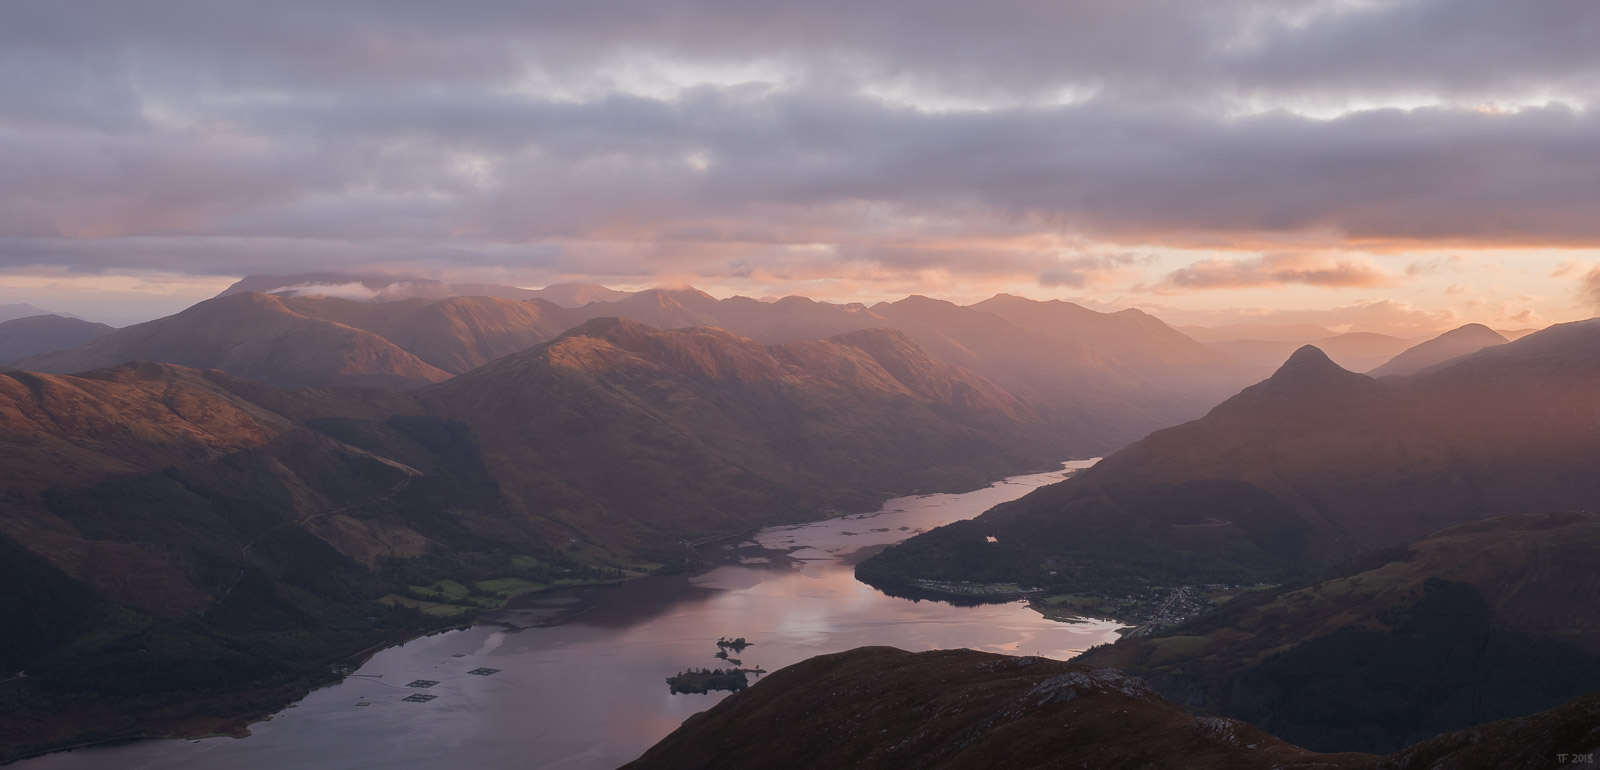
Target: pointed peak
[
  {"x": 1309, "y": 379},
  {"x": 1309, "y": 358},
  {"x": 1309, "y": 370}
]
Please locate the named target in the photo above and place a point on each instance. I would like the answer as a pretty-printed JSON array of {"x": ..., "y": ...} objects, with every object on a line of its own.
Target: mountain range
[{"x": 1106, "y": 378}]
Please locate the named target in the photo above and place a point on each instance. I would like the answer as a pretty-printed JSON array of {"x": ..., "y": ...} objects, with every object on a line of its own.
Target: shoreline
[{"x": 238, "y": 724}]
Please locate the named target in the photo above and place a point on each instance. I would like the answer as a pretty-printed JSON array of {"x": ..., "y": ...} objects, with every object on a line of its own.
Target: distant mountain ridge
[
  {"x": 253, "y": 335},
  {"x": 33, "y": 335},
  {"x": 1106, "y": 378},
  {"x": 1356, "y": 351},
  {"x": 17, "y": 310},
  {"x": 1452, "y": 344},
  {"x": 1113, "y": 376}
]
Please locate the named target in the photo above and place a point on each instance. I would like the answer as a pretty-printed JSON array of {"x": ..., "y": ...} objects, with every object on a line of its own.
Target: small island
[{"x": 702, "y": 680}]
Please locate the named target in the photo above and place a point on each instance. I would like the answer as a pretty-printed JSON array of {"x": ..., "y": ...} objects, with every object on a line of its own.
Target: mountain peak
[
  {"x": 1308, "y": 360},
  {"x": 1453, "y": 344},
  {"x": 1308, "y": 368},
  {"x": 1308, "y": 380}
]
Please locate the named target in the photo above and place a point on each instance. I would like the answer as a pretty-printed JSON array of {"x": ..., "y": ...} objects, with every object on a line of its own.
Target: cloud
[
  {"x": 789, "y": 143},
  {"x": 1434, "y": 265},
  {"x": 1589, "y": 288},
  {"x": 1081, "y": 271},
  {"x": 1274, "y": 270},
  {"x": 359, "y": 291},
  {"x": 789, "y": 168},
  {"x": 1383, "y": 316}
]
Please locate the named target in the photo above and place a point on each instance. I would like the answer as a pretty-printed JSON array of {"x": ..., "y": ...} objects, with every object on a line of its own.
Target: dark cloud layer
[{"x": 637, "y": 138}]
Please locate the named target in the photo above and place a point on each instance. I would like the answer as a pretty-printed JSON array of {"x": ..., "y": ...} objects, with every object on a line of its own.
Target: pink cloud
[{"x": 1274, "y": 270}]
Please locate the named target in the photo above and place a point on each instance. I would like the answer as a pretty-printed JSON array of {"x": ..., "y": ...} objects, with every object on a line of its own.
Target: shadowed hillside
[
  {"x": 879, "y": 707},
  {"x": 1308, "y": 467},
  {"x": 1479, "y": 622}
]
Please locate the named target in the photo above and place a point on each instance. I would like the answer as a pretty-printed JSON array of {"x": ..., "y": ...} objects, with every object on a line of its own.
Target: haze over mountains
[
  {"x": 1310, "y": 466},
  {"x": 16, "y": 310},
  {"x": 32, "y": 335},
  {"x": 1111, "y": 377},
  {"x": 257, "y": 336},
  {"x": 1452, "y": 344}
]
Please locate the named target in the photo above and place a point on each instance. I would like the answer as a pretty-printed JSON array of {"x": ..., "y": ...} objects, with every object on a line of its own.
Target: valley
[
  {"x": 252, "y": 543},
  {"x": 581, "y": 671}
]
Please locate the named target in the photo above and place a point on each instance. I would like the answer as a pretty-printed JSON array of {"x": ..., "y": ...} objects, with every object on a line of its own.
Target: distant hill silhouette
[
  {"x": 1452, "y": 344},
  {"x": 32, "y": 335}
]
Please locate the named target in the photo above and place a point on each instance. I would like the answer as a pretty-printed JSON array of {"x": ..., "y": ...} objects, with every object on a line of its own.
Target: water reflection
[{"x": 581, "y": 681}]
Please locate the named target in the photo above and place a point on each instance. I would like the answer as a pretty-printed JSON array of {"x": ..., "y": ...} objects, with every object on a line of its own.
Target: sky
[{"x": 1401, "y": 166}]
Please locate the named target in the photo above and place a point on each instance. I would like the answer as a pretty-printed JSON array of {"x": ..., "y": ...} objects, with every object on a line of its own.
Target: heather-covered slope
[
  {"x": 22, "y": 337},
  {"x": 257, "y": 336},
  {"x": 1310, "y": 466},
  {"x": 879, "y": 707},
  {"x": 1479, "y": 622}
]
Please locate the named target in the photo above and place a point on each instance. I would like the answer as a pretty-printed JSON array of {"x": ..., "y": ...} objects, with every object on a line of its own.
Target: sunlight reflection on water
[{"x": 589, "y": 691}]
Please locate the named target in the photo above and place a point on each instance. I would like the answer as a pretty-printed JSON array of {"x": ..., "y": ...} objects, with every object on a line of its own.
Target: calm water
[{"x": 581, "y": 671}]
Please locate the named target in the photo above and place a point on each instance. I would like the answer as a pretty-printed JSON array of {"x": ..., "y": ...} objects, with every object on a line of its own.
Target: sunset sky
[{"x": 1393, "y": 166}]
